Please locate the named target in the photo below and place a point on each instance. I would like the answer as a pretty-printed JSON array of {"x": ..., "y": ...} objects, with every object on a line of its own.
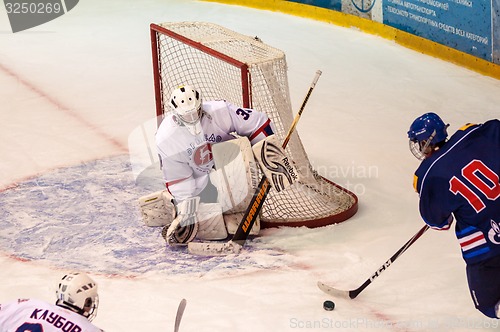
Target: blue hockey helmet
[{"x": 426, "y": 133}]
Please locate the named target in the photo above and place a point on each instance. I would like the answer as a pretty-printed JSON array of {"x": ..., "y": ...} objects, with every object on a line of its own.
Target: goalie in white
[{"x": 188, "y": 144}]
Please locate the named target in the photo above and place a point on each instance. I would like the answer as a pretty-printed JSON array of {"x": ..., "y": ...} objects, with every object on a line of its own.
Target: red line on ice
[{"x": 60, "y": 106}]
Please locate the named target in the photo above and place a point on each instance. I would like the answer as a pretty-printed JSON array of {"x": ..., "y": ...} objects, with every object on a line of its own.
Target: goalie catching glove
[{"x": 274, "y": 163}]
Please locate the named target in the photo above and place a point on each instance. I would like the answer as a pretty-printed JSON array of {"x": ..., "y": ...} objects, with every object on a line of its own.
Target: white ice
[{"x": 73, "y": 90}]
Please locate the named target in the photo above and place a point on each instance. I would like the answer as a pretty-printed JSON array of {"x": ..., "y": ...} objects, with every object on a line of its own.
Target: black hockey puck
[{"x": 328, "y": 305}]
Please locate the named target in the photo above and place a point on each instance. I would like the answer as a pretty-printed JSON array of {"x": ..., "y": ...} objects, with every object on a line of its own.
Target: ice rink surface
[{"x": 75, "y": 94}]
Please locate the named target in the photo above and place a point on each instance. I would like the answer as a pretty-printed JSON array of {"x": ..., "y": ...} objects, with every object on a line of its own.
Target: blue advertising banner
[
  {"x": 464, "y": 25},
  {"x": 329, "y": 4}
]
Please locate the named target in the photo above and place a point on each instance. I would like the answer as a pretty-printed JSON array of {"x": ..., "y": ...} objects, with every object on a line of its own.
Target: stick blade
[
  {"x": 333, "y": 291},
  {"x": 180, "y": 312},
  {"x": 213, "y": 248}
]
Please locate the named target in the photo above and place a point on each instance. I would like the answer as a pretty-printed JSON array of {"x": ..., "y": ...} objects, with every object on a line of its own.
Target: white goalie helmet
[
  {"x": 186, "y": 104},
  {"x": 78, "y": 292}
]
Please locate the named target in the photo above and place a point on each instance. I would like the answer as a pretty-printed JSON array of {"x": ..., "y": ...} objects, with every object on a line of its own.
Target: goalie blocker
[{"x": 157, "y": 209}]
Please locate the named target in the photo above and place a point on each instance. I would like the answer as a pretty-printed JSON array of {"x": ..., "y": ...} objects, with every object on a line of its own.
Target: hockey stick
[
  {"x": 180, "y": 312},
  {"x": 252, "y": 212},
  {"x": 355, "y": 292}
]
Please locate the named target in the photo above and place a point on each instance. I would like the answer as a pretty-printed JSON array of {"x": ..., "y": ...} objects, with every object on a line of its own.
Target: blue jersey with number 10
[{"x": 462, "y": 179}]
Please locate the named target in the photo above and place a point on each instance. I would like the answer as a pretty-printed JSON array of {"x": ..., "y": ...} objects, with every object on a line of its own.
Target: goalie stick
[
  {"x": 240, "y": 236},
  {"x": 355, "y": 292},
  {"x": 178, "y": 316}
]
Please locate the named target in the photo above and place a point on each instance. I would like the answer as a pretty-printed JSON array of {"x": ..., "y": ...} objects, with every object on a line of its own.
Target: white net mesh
[{"x": 224, "y": 64}]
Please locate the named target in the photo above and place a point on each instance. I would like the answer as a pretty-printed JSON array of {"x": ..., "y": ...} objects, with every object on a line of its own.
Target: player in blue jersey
[{"x": 459, "y": 179}]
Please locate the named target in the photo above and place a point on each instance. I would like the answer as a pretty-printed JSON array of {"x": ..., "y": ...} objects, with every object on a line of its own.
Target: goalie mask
[
  {"x": 78, "y": 292},
  {"x": 186, "y": 104},
  {"x": 426, "y": 134}
]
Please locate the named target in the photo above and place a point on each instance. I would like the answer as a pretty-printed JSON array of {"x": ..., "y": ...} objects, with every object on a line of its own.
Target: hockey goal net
[{"x": 223, "y": 64}]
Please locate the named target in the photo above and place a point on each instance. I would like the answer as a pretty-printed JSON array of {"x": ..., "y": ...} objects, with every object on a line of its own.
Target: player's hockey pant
[{"x": 484, "y": 285}]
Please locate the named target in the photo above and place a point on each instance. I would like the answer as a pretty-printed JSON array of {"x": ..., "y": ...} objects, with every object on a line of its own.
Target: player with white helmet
[
  {"x": 210, "y": 167},
  {"x": 78, "y": 292},
  {"x": 75, "y": 308}
]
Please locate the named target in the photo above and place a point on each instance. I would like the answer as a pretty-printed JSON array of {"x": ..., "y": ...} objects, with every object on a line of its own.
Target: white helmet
[
  {"x": 186, "y": 103},
  {"x": 78, "y": 292}
]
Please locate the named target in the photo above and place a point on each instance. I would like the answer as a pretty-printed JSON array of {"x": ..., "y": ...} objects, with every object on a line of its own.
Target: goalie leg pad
[
  {"x": 274, "y": 163},
  {"x": 185, "y": 226},
  {"x": 233, "y": 221},
  {"x": 157, "y": 209},
  {"x": 211, "y": 223},
  {"x": 236, "y": 176},
  {"x": 181, "y": 236}
]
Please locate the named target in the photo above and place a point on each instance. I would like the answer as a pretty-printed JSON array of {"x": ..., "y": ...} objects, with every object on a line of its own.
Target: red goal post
[{"x": 224, "y": 64}]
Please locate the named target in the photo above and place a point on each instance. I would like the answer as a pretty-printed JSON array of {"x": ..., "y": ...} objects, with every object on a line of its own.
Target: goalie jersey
[
  {"x": 462, "y": 178},
  {"x": 186, "y": 159}
]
